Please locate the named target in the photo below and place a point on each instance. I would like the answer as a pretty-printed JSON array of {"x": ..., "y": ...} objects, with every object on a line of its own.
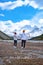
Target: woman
[{"x": 15, "y": 39}]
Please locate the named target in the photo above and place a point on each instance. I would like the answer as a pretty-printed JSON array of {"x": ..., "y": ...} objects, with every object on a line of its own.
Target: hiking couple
[{"x": 23, "y": 38}]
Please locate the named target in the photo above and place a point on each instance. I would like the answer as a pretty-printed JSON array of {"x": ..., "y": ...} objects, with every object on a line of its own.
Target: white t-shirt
[
  {"x": 24, "y": 36},
  {"x": 15, "y": 37}
]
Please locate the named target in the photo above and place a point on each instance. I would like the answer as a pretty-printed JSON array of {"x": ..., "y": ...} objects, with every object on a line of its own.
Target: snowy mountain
[
  {"x": 35, "y": 31},
  {"x": 26, "y": 27},
  {"x": 4, "y": 36},
  {"x": 42, "y": 29}
]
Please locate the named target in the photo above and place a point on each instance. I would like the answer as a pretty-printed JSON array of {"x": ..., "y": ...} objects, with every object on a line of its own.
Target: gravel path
[
  {"x": 8, "y": 52},
  {"x": 32, "y": 50}
]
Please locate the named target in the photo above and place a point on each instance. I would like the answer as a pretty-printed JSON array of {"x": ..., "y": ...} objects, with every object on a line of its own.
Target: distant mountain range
[
  {"x": 26, "y": 27},
  {"x": 34, "y": 31},
  {"x": 4, "y": 36},
  {"x": 38, "y": 37}
]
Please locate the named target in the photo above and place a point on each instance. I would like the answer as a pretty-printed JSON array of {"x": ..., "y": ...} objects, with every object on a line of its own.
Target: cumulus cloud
[
  {"x": 2, "y": 26},
  {"x": 40, "y": 3},
  {"x": 37, "y": 4},
  {"x": 9, "y": 26},
  {"x": 41, "y": 21},
  {"x": 37, "y": 19},
  {"x": 11, "y": 5},
  {"x": 5, "y": 5},
  {"x": 34, "y": 4}
]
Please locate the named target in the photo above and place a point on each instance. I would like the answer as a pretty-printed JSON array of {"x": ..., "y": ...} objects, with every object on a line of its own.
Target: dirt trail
[{"x": 32, "y": 51}]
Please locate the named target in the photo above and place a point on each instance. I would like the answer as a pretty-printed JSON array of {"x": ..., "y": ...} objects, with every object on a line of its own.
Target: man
[{"x": 23, "y": 39}]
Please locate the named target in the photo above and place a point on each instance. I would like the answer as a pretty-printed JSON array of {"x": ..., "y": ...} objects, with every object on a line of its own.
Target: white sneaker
[{"x": 14, "y": 46}]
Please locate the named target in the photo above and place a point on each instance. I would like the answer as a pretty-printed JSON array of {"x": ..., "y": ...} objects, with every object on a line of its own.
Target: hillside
[
  {"x": 4, "y": 36},
  {"x": 38, "y": 37}
]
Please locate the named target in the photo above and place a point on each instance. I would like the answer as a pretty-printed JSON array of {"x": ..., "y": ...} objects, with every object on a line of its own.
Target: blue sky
[{"x": 15, "y": 14}]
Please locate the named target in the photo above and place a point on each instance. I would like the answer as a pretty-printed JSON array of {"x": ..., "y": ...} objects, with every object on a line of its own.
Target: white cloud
[
  {"x": 9, "y": 26},
  {"x": 41, "y": 21},
  {"x": 37, "y": 19},
  {"x": 4, "y": 5},
  {"x": 36, "y": 3},
  {"x": 40, "y": 3},
  {"x": 33, "y": 4},
  {"x": 11, "y": 5},
  {"x": 2, "y": 26}
]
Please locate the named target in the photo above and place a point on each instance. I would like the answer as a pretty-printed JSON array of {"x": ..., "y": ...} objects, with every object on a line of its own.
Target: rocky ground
[{"x": 32, "y": 54}]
